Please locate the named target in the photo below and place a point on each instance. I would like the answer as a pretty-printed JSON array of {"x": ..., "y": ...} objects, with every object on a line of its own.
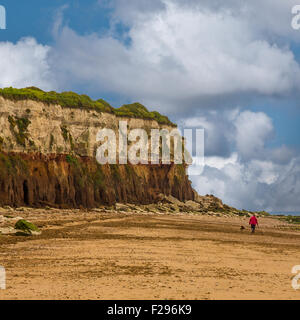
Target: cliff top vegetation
[{"x": 73, "y": 100}]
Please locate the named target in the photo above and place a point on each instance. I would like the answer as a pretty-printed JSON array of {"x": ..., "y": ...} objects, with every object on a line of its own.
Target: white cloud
[
  {"x": 252, "y": 131},
  {"x": 254, "y": 185},
  {"x": 273, "y": 17},
  {"x": 254, "y": 176},
  {"x": 221, "y": 162},
  {"x": 179, "y": 53},
  {"x": 281, "y": 155},
  {"x": 25, "y": 64},
  {"x": 217, "y": 132}
]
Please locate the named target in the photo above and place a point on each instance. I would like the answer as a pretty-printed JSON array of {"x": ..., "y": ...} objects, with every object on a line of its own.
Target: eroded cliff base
[{"x": 67, "y": 181}]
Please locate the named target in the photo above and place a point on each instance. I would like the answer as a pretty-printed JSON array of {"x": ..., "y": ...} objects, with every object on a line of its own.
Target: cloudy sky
[{"x": 231, "y": 67}]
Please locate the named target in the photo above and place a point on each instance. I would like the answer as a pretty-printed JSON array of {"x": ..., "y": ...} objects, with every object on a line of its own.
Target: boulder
[
  {"x": 192, "y": 206},
  {"x": 8, "y": 208},
  {"x": 26, "y": 227},
  {"x": 121, "y": 207},
  {"x": 172, "y": 200},
  {"x": 7, "y": 230}
]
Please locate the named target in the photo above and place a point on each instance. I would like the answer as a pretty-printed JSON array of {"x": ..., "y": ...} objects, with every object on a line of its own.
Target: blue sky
[
  {"x": 35, "y": 18},
  {"x": 194, "y": 60}
]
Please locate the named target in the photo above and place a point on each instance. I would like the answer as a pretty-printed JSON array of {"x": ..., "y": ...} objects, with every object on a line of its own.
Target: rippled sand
[{"x": 93, "y": 255}]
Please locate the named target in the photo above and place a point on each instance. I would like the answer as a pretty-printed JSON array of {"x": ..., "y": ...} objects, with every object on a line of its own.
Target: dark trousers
[{"x": 253, "y": 227}]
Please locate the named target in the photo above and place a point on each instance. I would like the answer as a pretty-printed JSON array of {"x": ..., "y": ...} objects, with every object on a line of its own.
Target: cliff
[{"x": 48, "y": 147}]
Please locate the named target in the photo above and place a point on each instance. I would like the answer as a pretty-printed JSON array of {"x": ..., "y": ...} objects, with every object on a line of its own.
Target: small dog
[{"x": 242, "y": 228}]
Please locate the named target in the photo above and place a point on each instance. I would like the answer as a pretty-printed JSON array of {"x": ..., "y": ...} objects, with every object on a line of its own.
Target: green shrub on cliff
[
  {"x": 22, "y": 124},
  {"x": 64, "y": 132},
  {"x": 115, "y": 171},
  {"x": 72, "y": 159},
  {"x": 12, "y": 164},
  {"x": 137, "y": 110},
  {"x": 98, "y": 177},
  {"x": 65, "y": 99},
  {"x": 73, "y": 100},
  {"x": 83, "y": 176},
  {"x": 51, "y": 141}
]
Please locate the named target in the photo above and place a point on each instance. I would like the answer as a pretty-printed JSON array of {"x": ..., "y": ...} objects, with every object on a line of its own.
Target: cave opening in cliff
[
  {"x": 26, "y": 192},
  {"x": 58, "y": 197}
]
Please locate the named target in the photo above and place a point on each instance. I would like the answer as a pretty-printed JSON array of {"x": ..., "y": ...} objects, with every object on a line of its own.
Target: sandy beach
[{"x": 94, "y": 255}]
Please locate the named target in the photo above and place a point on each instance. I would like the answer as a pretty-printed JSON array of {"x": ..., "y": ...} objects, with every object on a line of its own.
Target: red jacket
[{"x": 253, "y": 220}]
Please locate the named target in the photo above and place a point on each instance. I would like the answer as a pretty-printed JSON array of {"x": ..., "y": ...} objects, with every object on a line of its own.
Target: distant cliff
[{"x": 48, "y": 146}]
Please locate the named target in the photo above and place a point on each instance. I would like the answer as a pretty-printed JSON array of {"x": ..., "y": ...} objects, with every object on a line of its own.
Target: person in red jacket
[{"x": 253, "y": 222}]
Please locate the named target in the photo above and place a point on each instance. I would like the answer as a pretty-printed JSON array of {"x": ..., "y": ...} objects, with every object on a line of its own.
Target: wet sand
[{"x": 94, "y": 255}]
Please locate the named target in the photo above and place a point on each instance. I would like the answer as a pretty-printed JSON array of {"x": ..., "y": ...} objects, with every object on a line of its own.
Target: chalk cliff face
[{"x": 48, "y": 152}]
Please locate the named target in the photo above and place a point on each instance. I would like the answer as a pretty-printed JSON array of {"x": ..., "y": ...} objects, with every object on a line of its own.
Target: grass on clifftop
[
  {"x": 74, "y": 100},
  {"x": 137, "y": 110},
  {"x": 65, "y": 99}
]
